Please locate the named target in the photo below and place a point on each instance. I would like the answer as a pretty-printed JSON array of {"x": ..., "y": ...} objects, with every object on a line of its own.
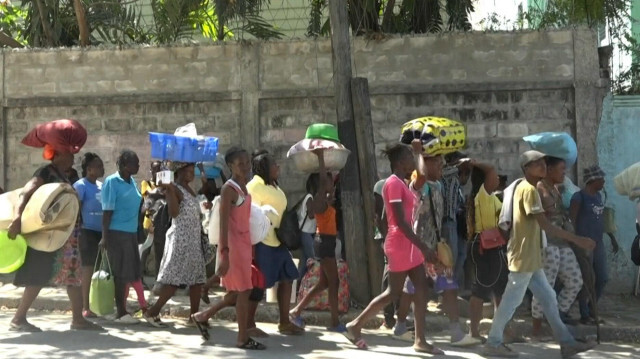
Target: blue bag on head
[{"x": 555, "y": 144}]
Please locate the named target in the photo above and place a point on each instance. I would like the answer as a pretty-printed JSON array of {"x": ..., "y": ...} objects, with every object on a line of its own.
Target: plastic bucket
[{"x": 12, "y": 252}]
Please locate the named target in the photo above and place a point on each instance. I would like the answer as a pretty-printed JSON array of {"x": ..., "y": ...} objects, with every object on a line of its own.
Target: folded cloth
[{"x": 505, "y": 220}]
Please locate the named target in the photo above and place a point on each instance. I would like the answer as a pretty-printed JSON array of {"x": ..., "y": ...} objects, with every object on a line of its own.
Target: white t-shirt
[{"x": 310, "y": 224}]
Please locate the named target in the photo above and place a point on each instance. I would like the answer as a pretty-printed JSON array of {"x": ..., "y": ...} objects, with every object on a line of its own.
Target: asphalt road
[{"x": 142, "y": 341}]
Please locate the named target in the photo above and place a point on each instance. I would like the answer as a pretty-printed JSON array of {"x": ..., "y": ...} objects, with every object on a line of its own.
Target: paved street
[{"x": 140, "y": 340}]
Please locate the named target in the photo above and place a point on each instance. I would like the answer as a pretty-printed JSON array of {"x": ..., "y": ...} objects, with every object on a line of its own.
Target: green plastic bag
[{"x": 103, "y": 288}]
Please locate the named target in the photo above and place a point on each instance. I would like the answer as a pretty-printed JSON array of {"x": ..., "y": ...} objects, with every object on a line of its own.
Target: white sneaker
[
  {"x": 467, "y": 341},
  {"x": 127, "y": 319}
]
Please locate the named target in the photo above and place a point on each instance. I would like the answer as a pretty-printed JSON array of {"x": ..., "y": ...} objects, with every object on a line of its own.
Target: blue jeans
[
  {"x": 599, "y": 263},
  {"x": 512, "y": 297},
  {"x": 458, "y": 248},
  {"x": 307, "y": 252}
]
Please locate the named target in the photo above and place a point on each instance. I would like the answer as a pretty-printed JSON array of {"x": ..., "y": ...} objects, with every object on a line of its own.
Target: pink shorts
[{"x": 402, "y": 255}]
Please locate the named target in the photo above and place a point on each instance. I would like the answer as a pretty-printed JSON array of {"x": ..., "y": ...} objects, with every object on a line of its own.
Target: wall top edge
[{"x": 249, "y": 43}]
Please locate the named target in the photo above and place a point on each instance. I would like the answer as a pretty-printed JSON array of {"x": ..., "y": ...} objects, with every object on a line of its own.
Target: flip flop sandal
[
  {"x": 340, "y": 328},
  {"x": 358, "y": 342},
  {"x": 89, "y": 314},
  {"x": 251, "y": 344},
  {"x": 433, "y": 350},
  {"x": 297, "y": 321},
  {"x": 204, "y": 333},
  {"x": 88, "y": 326},
  {"x": 290, "y": 329},
  {"x": 24, "y": 328}
]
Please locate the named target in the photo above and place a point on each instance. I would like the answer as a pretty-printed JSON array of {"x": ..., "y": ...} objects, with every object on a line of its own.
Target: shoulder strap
[
  {"x": 433, "y": 213},
  {"x": 306, "y": 210},
  {"x": 238, "y": 189}
]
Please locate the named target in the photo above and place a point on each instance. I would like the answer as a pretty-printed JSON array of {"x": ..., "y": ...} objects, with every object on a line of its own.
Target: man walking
[{"x": 525, "y": 263}]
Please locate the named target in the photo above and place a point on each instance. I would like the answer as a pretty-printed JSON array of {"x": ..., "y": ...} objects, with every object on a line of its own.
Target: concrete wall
[
  {"x": 618, "y": 148},
  {"x": 502, "y": 85}
]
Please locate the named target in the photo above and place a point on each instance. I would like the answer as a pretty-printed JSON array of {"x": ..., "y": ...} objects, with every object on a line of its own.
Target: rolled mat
[{"x": 48, "y": 218}]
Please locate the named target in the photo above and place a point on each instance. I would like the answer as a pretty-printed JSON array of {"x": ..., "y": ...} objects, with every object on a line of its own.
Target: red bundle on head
[{"x": 61, "y": 135}]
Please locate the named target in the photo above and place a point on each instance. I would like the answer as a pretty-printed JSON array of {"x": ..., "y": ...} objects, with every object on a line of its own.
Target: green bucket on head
[
  {"x": 12, "y": 252},
  {"x": 323, "y": 131}
]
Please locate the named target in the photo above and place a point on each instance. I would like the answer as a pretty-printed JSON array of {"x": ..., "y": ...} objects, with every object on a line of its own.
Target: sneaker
[
  {"x": 502, "y": 351},
  {"x": 400, "y": 328},
  {"x": 570, "y": 350},
  {"x": 466, "y": 341}
]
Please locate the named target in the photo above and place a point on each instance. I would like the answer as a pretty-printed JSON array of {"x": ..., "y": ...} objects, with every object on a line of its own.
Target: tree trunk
[
  {"x": 44, "y": 19},
  {"x": 387, "y": 16},
  {"x": 363, "y": 16},
  {"x": 83, "y": 26},
  {"x": 7, "y": 40}
]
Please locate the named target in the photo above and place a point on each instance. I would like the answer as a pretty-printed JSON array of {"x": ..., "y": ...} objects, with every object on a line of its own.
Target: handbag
[
  {"x": 103, "y": 288},
  {"x": 207, "y": 249},
  {"x": 257, "y": 277},
  {"x": 491, "y": 238},
  {"x": 445, "y": 256}
]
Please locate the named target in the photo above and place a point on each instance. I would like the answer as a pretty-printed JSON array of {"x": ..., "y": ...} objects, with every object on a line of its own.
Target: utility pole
[{"x": 357, "y": 214}]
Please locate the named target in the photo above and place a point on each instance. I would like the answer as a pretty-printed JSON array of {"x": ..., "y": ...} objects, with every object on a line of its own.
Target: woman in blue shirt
[
  {"x": 121, "y": 201},
  {"x": 89, "y": 188}
]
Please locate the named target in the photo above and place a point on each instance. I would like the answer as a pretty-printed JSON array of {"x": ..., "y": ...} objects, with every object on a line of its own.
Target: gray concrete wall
[{"x": 502, "y": 85}]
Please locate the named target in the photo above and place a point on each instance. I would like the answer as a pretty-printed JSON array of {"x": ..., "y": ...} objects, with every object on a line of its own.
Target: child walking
[
  {"x": 235, "y": 252},
  {"x": 404, "y": 249}
]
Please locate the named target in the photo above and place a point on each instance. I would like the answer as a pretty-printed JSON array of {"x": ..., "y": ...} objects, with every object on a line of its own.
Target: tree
[
  {"x": 402, "y": 17},
  {"x": 613, "y": 15},
  {"x": 63, "y": 23}
]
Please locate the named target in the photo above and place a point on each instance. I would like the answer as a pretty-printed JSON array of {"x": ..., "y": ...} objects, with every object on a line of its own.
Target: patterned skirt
[{"x": 68, "y": 267}]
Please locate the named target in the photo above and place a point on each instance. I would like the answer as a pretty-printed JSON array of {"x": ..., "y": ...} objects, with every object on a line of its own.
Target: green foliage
[
  {"x": 398, "y": 17},
  {"x": 53, "y": 23},
  {"x": 12, "y": 20},
  {"x": 116, "y": 23},
  {"x": 243, "y": 17}
]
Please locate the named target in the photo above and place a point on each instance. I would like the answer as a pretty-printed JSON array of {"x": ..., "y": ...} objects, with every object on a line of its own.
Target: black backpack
[
  {"x": 290, "y": 231},
  {"x": 635, "y": 247}
]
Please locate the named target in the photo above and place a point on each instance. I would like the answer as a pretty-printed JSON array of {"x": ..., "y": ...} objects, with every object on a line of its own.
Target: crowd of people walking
[{"x": 421, "y": 210}]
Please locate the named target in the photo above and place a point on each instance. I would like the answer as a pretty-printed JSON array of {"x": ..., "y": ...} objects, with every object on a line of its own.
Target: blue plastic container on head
[{"x": 185, "y": 149}]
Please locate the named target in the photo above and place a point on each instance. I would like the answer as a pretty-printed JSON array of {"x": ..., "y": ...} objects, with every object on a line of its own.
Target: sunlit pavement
[{"x": 143, "y": 341}]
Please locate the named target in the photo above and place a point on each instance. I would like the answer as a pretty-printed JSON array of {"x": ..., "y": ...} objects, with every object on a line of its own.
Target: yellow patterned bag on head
[{"x": 439, "y": 135}]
